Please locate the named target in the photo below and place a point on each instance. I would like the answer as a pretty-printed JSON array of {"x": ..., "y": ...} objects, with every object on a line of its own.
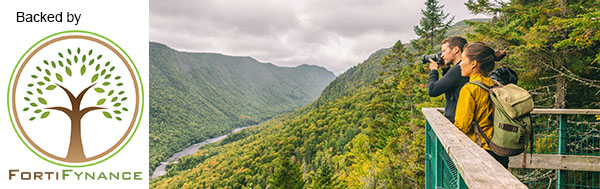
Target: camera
[{"x": 435, "y": 57}]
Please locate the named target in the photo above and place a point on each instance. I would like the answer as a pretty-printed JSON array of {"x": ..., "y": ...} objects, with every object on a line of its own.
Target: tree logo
[{"x": 75, "y": 98}]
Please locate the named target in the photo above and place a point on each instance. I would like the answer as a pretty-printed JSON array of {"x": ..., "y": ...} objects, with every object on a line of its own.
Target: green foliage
[
  {"x": 287, "y": 175},
  {"x": 196, "y": 96},
  {"x": 107, "y": 114},
  {"x": 49, "y": 76},
  {"x": 353, "y": 79},
  {"x": 553, "y": 46},
  {"x": 325, "y": 178},
  {"x": 432, "y": 27}
]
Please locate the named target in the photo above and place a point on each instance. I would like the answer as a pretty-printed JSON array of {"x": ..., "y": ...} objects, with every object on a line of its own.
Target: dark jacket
[{"x": 450, "y": 84}]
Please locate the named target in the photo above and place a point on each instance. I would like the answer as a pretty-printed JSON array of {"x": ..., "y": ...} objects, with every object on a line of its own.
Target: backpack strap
[
  {"x": 479, "y": 131},
  {"x": 476, "y": 127},
  {"x": 477, "y": 134},
  {"x": 524, "y": 165},
  {"x": 481, "y": 84}
]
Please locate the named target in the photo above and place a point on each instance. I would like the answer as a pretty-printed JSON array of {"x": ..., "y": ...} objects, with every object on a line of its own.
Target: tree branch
[
  {"x": 88, "y": 109},
  {"x": 71, "y": 97},
  {"x": 62, "y": 109},
  {"x": 80, "y": 96},
  {"x": 573, "y": 76}
]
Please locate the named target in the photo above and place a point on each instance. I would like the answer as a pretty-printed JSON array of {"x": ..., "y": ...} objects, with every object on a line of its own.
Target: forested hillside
[
  {"x": 195, "y": 96},
  {"x": 332, "y": 142},
  {"x": 354, "y": 78}
]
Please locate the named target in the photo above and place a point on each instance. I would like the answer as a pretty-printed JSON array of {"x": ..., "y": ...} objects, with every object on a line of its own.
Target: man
[{"x": 451, "y": 81}]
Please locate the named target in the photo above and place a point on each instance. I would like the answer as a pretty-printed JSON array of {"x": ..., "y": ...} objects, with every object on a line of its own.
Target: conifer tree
[
  {"x": 432, "y": 27},
  {"x": 287, "y": 174},
  {"x": 325, "y": 177}
]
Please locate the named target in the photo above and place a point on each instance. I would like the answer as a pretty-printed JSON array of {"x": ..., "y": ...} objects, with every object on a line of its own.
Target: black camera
[{"x": 435, "y": 57}]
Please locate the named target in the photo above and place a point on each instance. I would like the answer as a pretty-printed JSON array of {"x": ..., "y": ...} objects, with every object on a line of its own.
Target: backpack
[
  {"x": 504, "y": 75},
  {"x": 511, "y": 106}
]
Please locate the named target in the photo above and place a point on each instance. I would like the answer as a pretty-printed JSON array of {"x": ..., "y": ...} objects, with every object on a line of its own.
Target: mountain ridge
[{"x": 196, "y": 96}]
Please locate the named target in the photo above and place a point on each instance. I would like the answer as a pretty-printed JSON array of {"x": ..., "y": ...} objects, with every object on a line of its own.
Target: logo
[{"x": 75, "y": 98}]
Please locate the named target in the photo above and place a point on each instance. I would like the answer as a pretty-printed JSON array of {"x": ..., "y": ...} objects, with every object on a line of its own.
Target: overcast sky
[{"x": 335, "y": 34}]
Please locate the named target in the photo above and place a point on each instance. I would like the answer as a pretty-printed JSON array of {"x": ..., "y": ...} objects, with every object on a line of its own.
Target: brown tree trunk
[
  {"x": 561, "y": 92},
  {"x": 75, "y": 153}
]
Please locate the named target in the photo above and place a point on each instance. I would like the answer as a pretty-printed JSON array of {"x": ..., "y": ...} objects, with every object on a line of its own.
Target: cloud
[{"x": 335, "y": 34}]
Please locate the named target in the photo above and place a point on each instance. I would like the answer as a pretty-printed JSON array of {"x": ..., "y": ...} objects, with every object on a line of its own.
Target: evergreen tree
[
  {"x": 432, "y": 27},
  {"x": 325, "y": 177},
  {"x": 287, "y": 175}
]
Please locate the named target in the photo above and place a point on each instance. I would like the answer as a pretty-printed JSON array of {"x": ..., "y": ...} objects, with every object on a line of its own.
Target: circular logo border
[{"x": 140, "y": 112}]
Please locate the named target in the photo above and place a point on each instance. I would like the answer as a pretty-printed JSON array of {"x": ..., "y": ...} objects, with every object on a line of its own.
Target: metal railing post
[
  {"x": 562, "y": 149},
  {"x": 434, "y": 166},
  {"x": 428, "y": 169},
  {"x": 439, "y": 167}
]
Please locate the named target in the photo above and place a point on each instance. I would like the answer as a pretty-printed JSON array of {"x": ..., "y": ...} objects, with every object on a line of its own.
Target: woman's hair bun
[{"x": 499, "y": 54}]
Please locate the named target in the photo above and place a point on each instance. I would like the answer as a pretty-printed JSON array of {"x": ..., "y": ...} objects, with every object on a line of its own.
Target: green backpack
[{"x": 511, "y": 117}]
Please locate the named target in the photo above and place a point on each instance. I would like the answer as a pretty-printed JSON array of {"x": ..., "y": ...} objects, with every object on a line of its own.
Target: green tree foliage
[
  {"x": 325, "y": 177},
  {"x": 196, "y": 96},
  {"x": 433, "y": 26},
  {"x": 353, "y": 79},
  {"x": 308, "y": 135},
  {"x": 287, "y": 175},
  {"x": 553, "y": 46},
  {"x": 394, "y": 131}
]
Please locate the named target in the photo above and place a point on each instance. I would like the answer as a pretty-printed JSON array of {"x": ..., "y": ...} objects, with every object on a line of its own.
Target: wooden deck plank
[
  {"x": 556, "y": 161},
  {"x": 567, "y": 111}
]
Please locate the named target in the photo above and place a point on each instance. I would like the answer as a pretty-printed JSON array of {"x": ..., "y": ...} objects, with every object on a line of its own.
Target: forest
[
  {"x": 196, "y": 96},
  {"x": 367, "y": 130}
]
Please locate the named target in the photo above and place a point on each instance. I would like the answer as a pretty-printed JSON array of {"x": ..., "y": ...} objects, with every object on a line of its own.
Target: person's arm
[
  {"x": 445, "y": 70},
  {"x": 465, "y": 110},
  {"x": 448, "y": 82}
]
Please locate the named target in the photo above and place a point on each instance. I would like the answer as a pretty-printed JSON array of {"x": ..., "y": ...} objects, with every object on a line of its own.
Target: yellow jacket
[{"x": 474, "y": 103}]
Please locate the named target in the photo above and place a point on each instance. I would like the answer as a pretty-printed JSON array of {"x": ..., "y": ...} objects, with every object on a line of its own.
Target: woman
[{"x": 474, "y": 104}]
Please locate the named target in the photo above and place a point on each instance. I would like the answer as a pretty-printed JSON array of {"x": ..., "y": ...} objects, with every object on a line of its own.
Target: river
[{"x": 160, "y": 170}]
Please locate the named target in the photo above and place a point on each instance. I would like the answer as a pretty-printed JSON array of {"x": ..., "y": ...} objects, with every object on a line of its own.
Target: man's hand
[
  {"x": 443, "y": 66},
  {"x": 433, "y": 65}
]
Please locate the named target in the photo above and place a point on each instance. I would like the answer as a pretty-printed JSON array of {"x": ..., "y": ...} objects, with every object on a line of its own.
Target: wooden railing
[
  {"x": 454, "y": 161},
  {"x": 558, "y": 161},
  {"x": 470, "y": 165}
]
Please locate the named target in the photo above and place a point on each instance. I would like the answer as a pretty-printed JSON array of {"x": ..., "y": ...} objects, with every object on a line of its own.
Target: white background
[{"x": 125, "y": 23}]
